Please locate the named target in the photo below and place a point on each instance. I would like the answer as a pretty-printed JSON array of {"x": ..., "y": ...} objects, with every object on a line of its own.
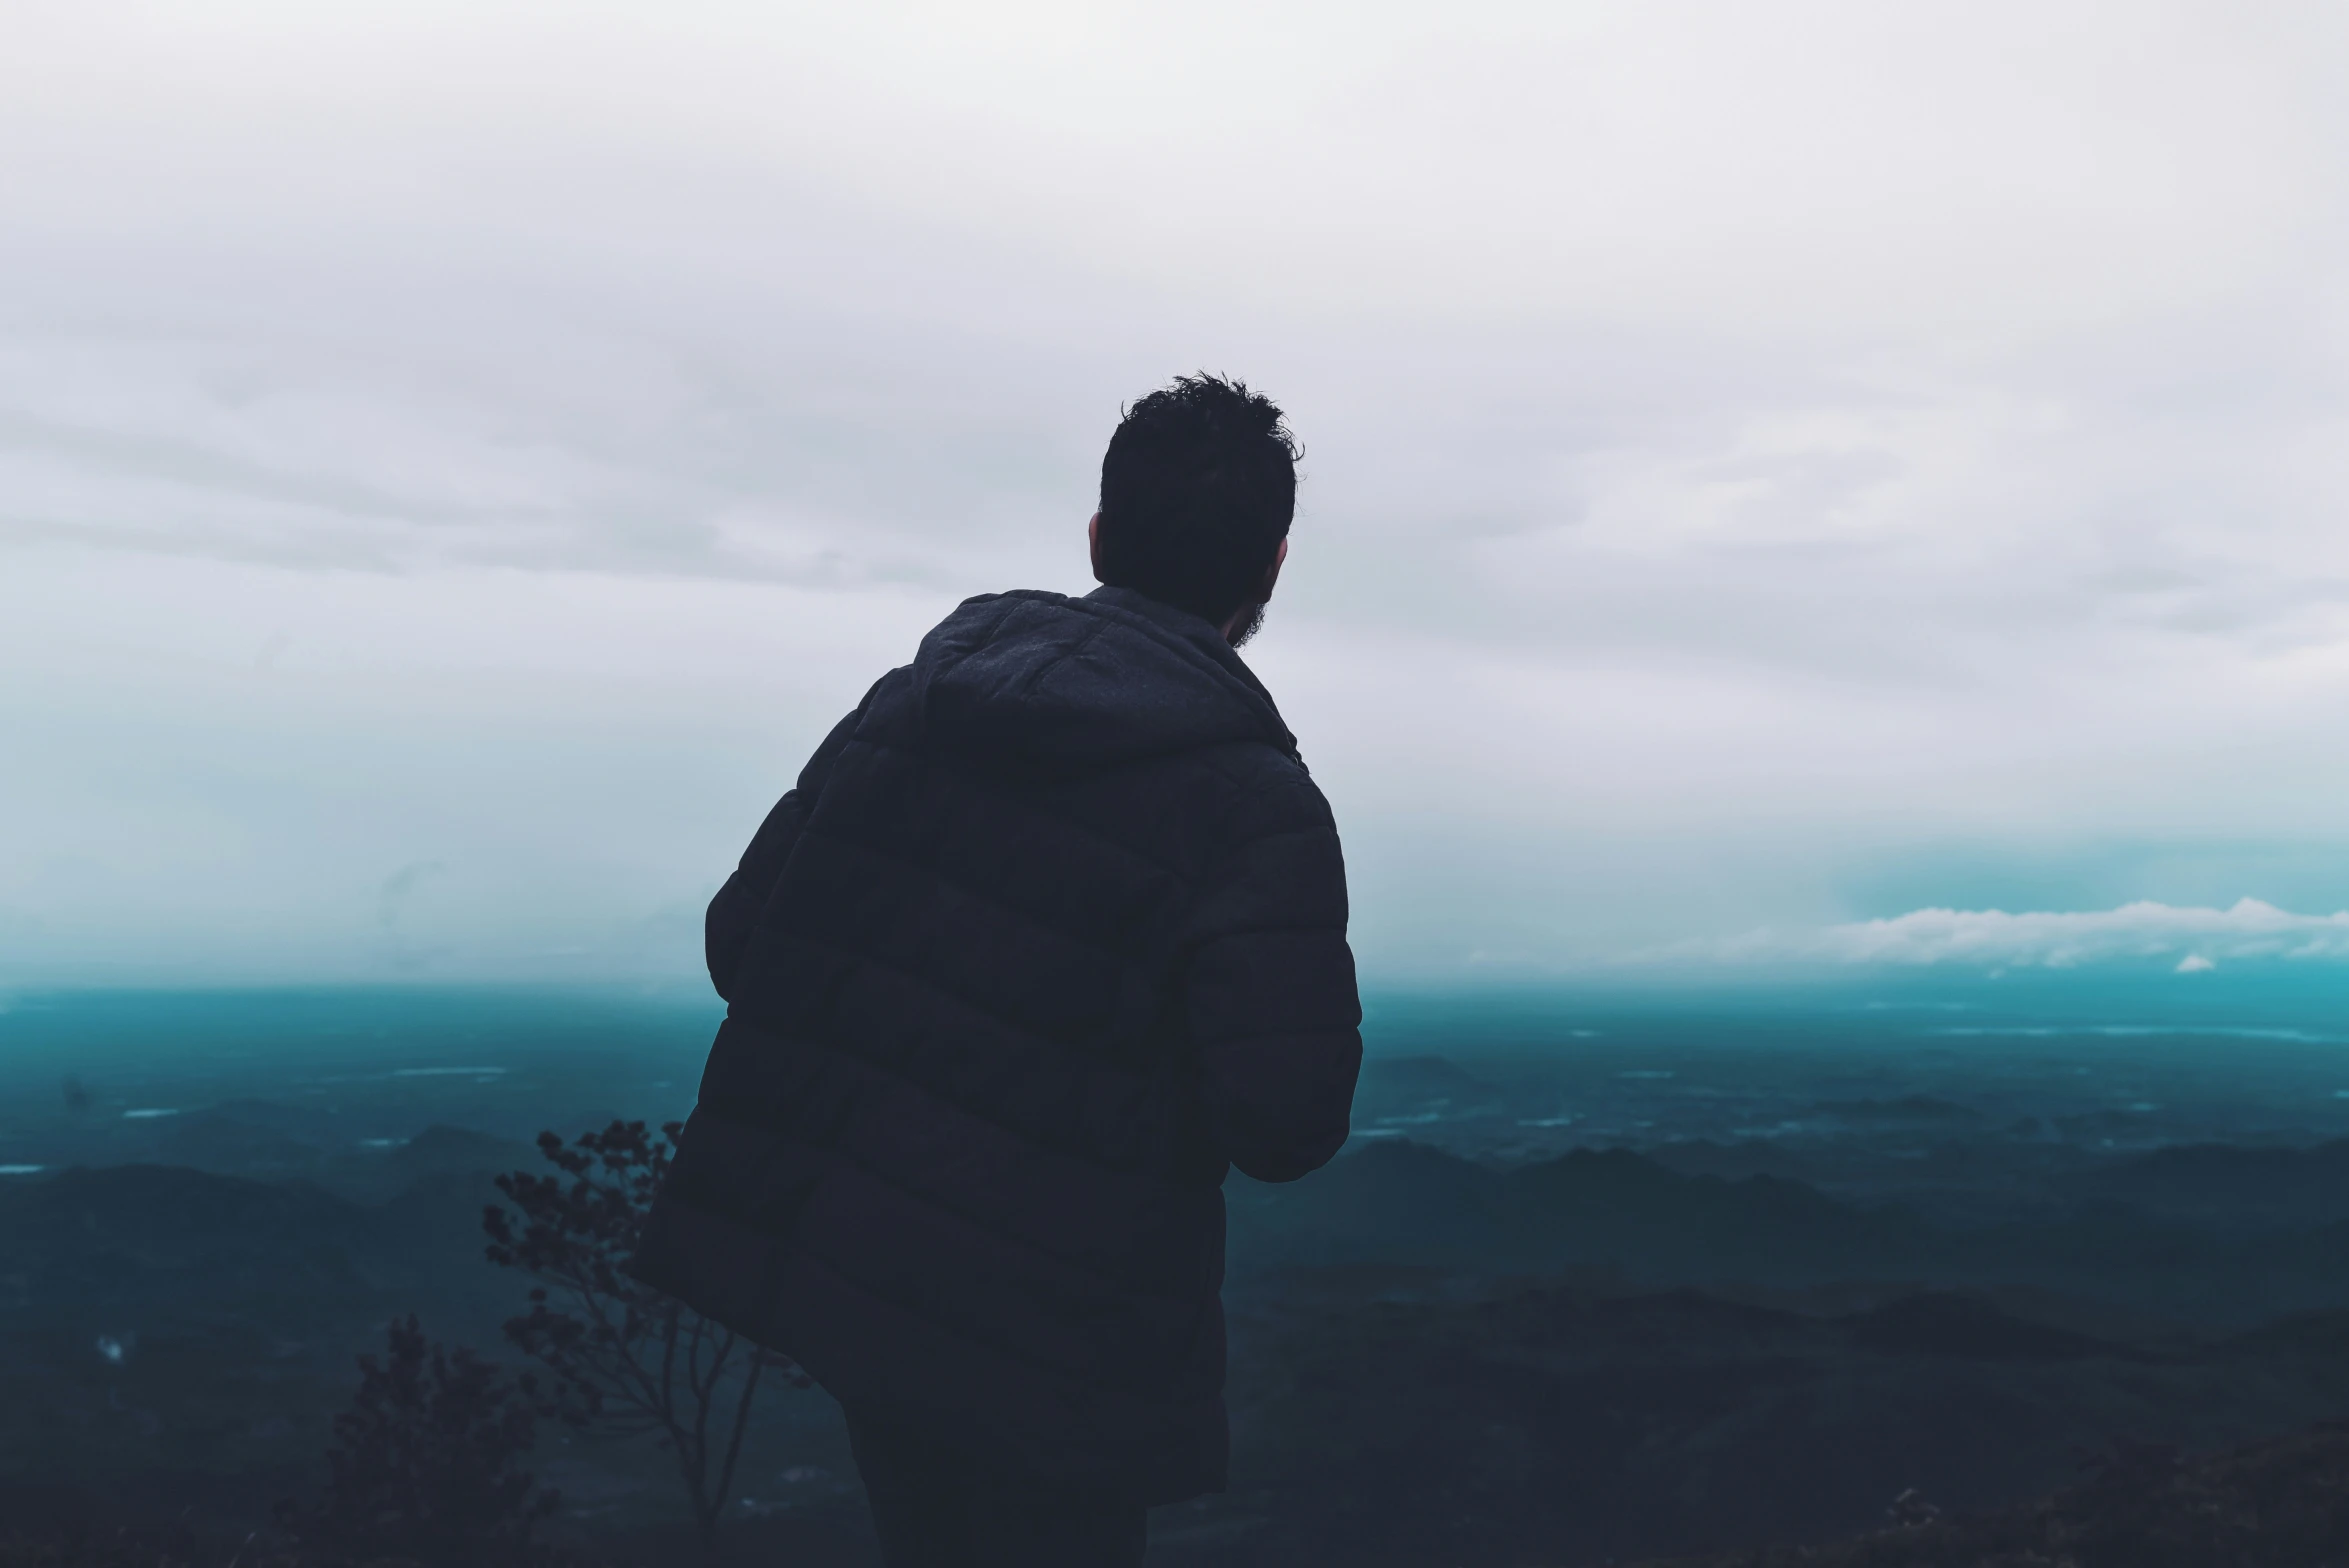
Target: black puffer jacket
[{"x": 1051, "y": 930}]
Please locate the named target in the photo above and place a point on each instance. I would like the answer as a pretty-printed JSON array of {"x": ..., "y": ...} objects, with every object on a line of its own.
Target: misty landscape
[
  {"x": 1807, "y": 697},
  {"x": 1597, "y": 1280}
]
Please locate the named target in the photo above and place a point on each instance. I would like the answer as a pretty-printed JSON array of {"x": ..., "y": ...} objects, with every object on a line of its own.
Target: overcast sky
[{"x": 1772, "y": 469}]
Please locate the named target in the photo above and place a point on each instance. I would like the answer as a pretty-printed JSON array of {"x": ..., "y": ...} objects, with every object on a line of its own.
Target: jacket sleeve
[
  {"x": 726, "y": 928},
  {"x": 1274, "y": 1016}
]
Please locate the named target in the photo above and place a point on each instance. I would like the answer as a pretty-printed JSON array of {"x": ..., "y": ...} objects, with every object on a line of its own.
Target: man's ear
[
  {"x": 1272, "y": 573},
  {"x": 1093, "y": 545}
]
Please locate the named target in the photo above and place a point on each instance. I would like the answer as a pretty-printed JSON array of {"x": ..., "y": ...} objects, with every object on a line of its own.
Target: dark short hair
[{"x": 1197, "y": 490}]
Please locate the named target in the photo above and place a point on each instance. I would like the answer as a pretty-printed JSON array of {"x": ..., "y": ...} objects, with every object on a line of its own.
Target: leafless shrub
[{"x": 624, "y": 1354}]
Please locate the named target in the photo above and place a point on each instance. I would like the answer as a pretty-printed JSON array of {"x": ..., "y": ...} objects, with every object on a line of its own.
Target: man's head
[{"x": 1197, "y": 490}]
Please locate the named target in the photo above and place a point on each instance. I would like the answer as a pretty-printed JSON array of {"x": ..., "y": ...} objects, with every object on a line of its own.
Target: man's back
[{"x": 1051, "y": 929}]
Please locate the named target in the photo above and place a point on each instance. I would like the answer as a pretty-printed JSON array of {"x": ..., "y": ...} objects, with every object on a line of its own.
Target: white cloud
[{"x": 1993, "y": 938}]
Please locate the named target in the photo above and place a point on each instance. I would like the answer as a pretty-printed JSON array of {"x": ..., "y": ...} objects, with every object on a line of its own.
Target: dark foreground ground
[
  {"x": 2279, "y": 1504},
  {"x": 1612, "y": 1293},
  {"x": 2283, "y": 1503}
]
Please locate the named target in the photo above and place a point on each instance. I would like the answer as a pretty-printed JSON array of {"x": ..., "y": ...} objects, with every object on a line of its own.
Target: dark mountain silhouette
[
  {"x": 2279, "y": 1503},
  {"x": 1735, "y": 1161},
  {"x": 130, "y": 1241},
  {"x": 1389, "y": 1201},
  {"x": 1397, "y": 1203},
  {"x": 1625, "y": 1210},
  {"x": 1401, "y": 1202},
  {"x": 131, "y": 1235},
  {"x": 1566, "y": 1427},
  {"x": 2321, "y": 1334},
  {"x": 2215, "y": 1184},
  {"x": 1570, "y": 1428},
  {"x": 1949, "y": 1323},
  {"x": 1435, "y": 1359}
]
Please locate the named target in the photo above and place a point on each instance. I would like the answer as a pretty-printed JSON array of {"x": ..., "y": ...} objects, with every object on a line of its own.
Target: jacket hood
[{"x": 1040, "y": 679}]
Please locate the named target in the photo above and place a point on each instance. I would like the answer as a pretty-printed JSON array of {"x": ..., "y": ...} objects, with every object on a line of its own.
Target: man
[{"x": 1050, "y": 933}]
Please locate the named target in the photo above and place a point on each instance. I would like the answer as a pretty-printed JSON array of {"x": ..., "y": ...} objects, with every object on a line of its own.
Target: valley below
[{"x": 1587, "y": 1287}]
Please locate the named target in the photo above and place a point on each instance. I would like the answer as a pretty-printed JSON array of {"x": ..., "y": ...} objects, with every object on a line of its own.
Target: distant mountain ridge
[
  {"x": 122, "y": 1236},
  {"x": 1400, "y": 1201},
  {"x": 2222, "y": 1183},
  {"x": 1396, "y": 1202},
  {"x": 93, "y": 1235},
  {"x": 2156, "y": 1227}
]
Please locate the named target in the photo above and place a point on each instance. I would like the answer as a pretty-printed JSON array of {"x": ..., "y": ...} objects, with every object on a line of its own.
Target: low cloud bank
[{"x": 2200, "y": 939}]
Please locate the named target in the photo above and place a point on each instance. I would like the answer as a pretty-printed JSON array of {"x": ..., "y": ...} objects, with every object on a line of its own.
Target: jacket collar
[{"x": 1194, "y": 632}]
